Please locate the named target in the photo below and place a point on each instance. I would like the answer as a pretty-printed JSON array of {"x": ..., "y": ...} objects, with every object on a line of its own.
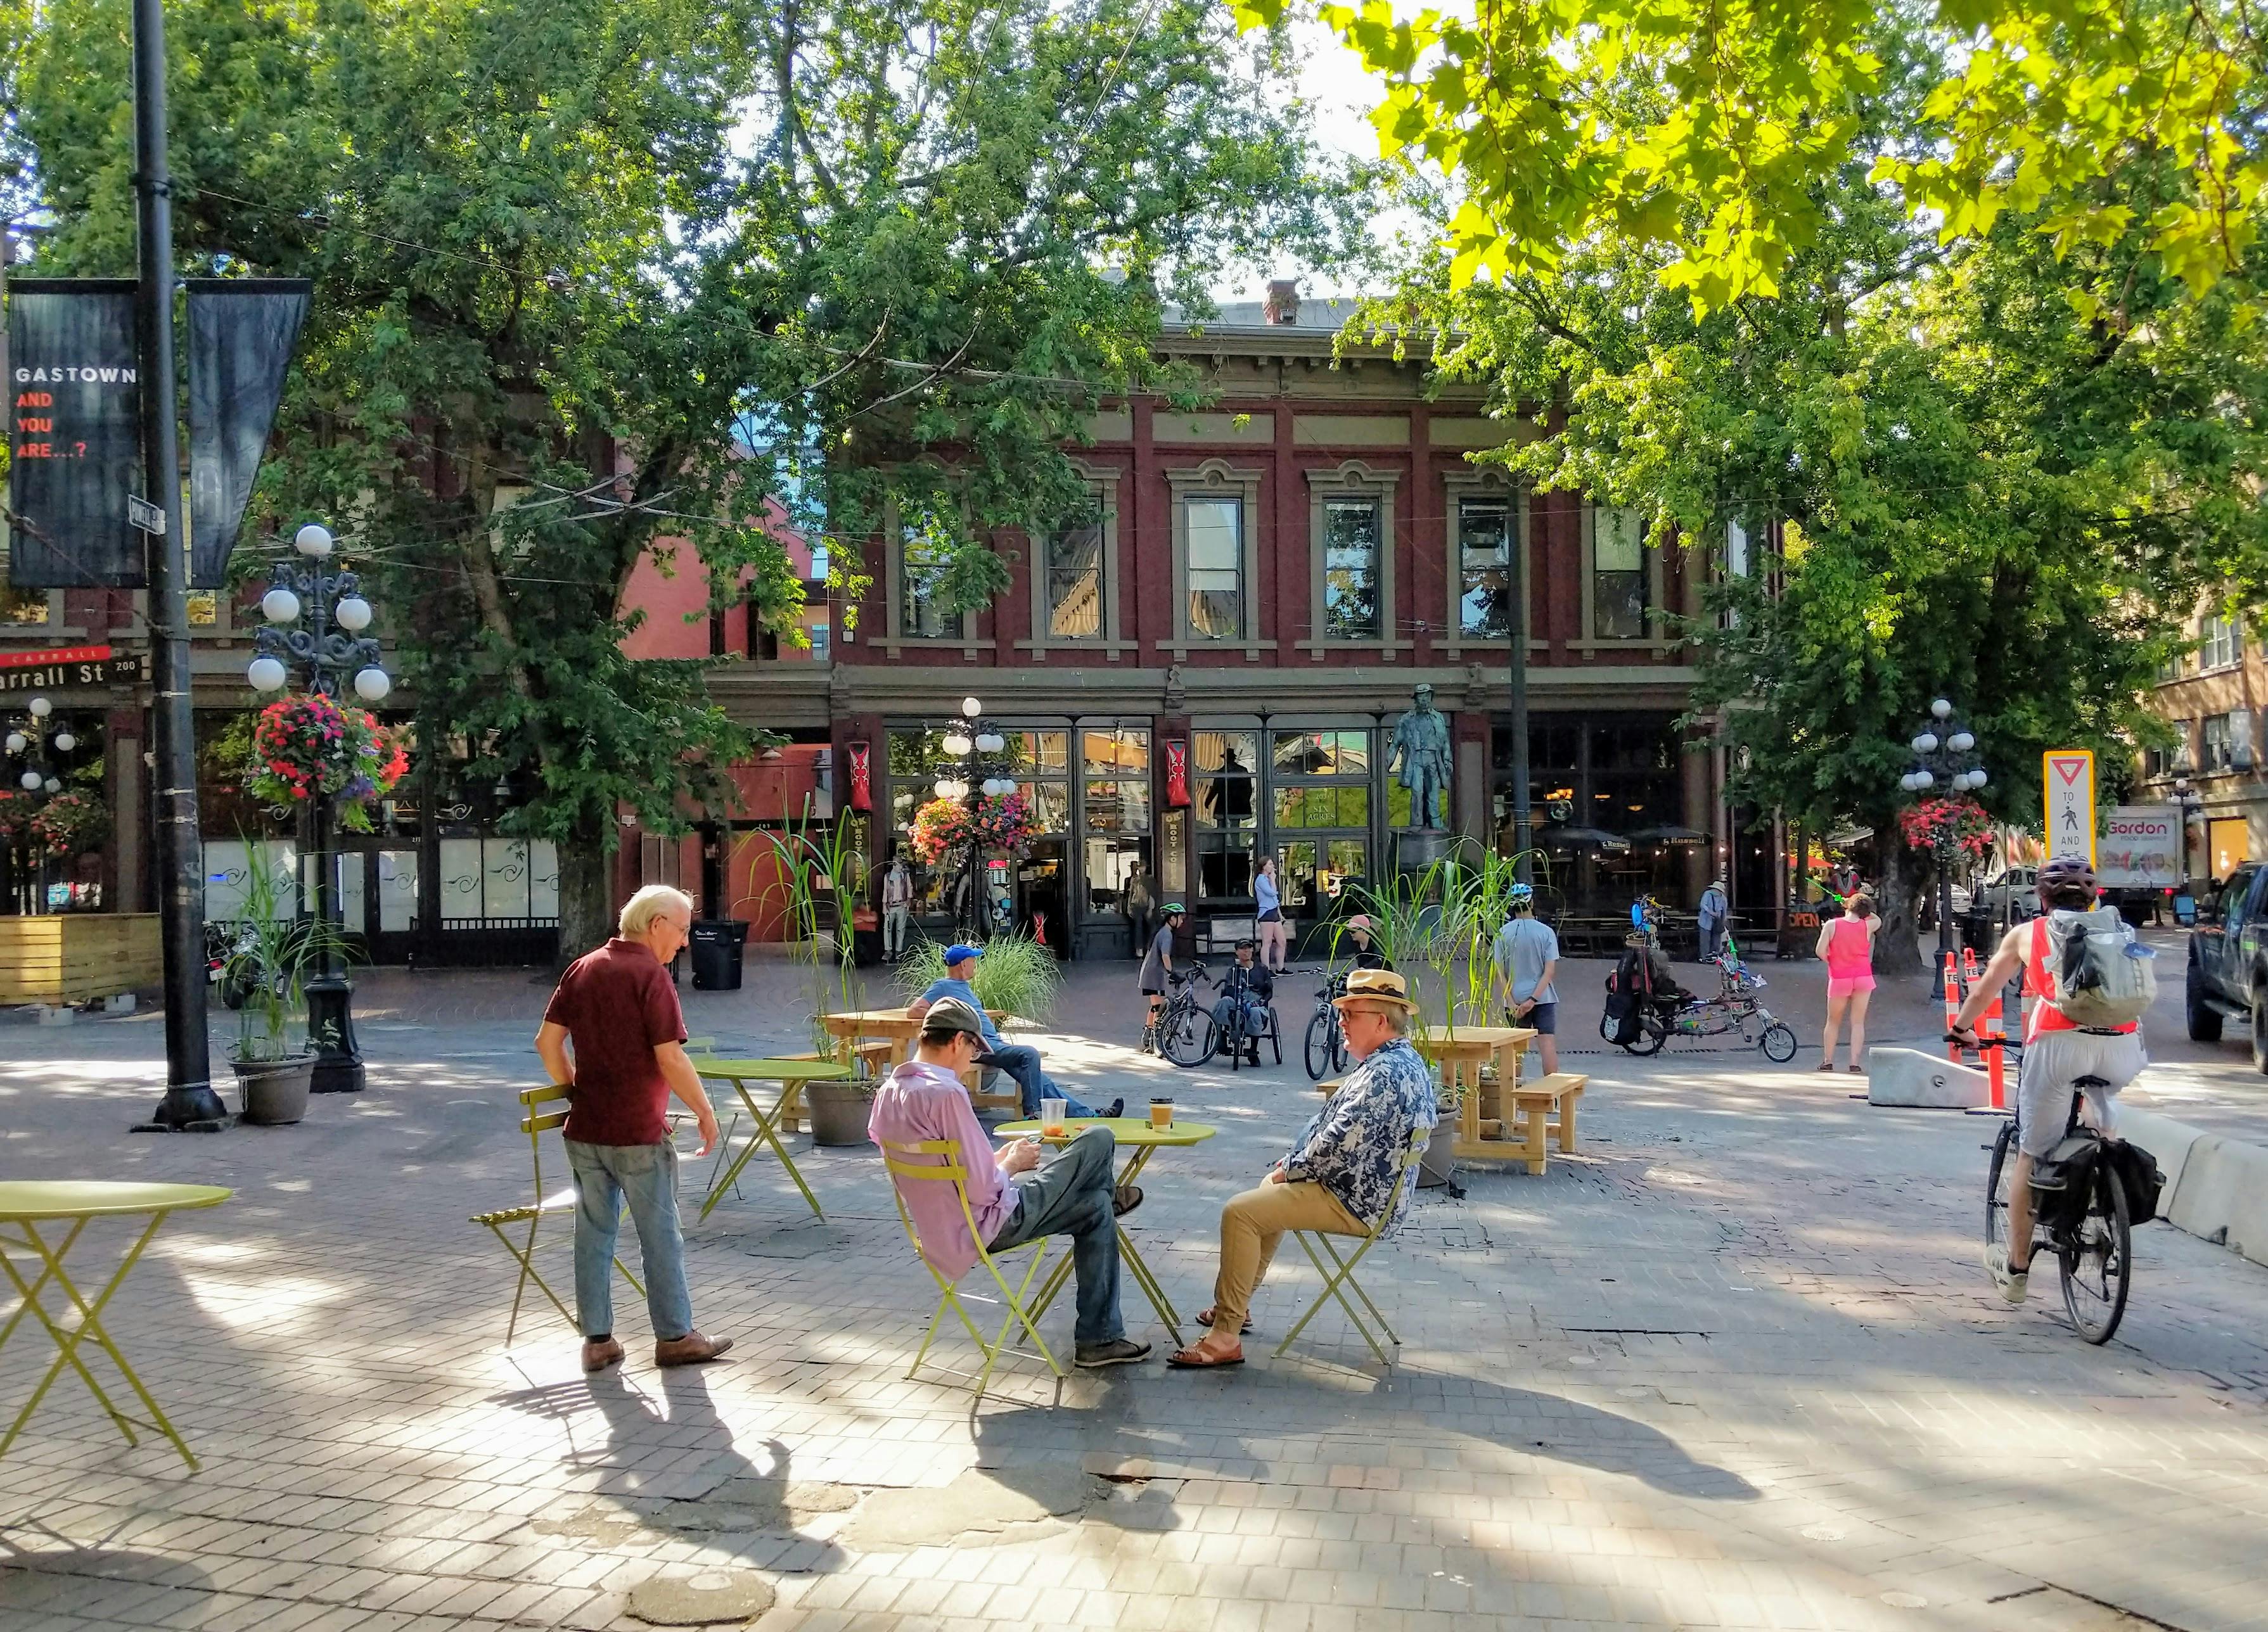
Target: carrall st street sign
[{"x": 67, "y": 666}]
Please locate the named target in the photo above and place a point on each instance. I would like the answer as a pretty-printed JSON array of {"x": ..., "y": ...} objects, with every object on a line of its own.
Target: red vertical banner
[
  {"x": 1177, "y": 773},
  {"x": 861, "y": 795}
]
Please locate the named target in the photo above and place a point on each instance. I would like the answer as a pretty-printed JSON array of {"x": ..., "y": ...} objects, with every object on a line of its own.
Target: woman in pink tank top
[{"x": 1847, "y": 945}]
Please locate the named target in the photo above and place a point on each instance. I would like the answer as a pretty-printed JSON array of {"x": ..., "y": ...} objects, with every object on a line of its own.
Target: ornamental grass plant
[{"x": 1016, "y": 976}]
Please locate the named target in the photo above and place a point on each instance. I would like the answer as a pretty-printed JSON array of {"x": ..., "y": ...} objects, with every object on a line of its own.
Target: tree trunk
[
  {"x": 586, "y": 895},
  {"x": 1897, "y": 943}
]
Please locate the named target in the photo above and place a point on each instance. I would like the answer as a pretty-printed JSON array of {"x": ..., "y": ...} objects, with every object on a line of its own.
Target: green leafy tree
[
  {"x": 1700, "y": 128},
  {"x": 601, "y": 278},
  {"x": 1988, "y": 471}
]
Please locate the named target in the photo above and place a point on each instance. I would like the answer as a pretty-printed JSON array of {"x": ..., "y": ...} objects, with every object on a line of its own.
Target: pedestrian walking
[
  {"x": 1847, "y": 945},
  {"x": 1527, "y": 956},
  {"x": 616, "y": 1009},
  {"x": 1716, "y": 908}
]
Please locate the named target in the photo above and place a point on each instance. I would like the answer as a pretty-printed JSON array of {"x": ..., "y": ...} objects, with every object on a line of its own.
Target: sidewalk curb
[{"x": 2216, "y": 1186}]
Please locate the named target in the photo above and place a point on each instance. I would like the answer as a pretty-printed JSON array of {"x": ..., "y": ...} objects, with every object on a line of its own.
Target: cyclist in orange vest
[{"x": 2057, "y": 1053}]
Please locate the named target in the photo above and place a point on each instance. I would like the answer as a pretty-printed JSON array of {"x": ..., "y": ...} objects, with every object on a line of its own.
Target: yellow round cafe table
[{"x": 41, "y": 1221}]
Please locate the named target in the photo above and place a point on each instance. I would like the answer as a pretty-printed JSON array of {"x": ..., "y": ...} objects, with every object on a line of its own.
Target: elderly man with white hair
[{"x": 618, "y": 1008}]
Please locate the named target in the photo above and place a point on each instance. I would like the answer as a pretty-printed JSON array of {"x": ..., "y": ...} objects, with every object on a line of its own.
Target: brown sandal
[
  {"x": 1205, "y": 1319},
  {"x": 1194, "y": 1359}
]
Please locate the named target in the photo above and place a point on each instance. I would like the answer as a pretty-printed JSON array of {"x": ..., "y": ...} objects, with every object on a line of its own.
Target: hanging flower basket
[
  {"x": 1960, "y": 823},
  {"x": 68, "y": 826},
  {"x": 937, "y": 828},
  {"x": 306, "y": 745}
]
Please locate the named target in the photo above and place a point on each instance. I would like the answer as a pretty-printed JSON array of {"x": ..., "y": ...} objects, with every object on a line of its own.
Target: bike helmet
[
  {"x": 2068, "y": 881},
  {"x": 1523, "y": 894}
]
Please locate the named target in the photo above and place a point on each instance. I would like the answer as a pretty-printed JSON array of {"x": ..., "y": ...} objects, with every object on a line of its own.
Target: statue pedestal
[{"x": 1416, "y": 848}]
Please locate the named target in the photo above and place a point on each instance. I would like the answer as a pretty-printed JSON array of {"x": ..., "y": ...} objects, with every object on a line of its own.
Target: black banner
[
  {"x": 76, "y": 446},
  {"x": 241, "y": 332}
]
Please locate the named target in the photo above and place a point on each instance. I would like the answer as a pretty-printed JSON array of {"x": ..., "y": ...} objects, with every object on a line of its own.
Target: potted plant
[{"x": 274, "y": 1063}]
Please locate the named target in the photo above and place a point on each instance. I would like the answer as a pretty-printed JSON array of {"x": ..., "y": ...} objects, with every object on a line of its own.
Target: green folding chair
[
  {"x": 941, "y": 1161},
  {"x": 1338, "y": 1275},
  {"x": 535, "y": 1125}
]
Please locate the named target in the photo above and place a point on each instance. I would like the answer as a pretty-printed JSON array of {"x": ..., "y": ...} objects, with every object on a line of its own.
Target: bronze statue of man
[{"x": 1421, "y": 747}]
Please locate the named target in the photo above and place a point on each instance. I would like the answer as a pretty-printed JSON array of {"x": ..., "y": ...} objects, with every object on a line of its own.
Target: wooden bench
[{"x": 1546, "y": 1105}]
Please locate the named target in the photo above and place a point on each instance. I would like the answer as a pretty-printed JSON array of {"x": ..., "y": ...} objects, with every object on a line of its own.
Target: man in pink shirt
[{"x": 1015, "y": 1199}]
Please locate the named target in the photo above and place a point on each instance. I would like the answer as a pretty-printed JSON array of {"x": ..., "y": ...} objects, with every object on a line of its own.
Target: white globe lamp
[
  {"x": 41, "y": 708},
  {"x": 956, "y": 743},
  {"x": 372, "y": 684},
  {"x": 53, "y": 785},
  {"x": 971, "y": 707},
  {"x": 352, "y": 614},
  {"x": 990, "y": 742},
  {"x": 18, "y": 742},
  {"x": 1961, "y": 741},
  {"x": 1926, "y": 743},
  {"x": 266, "y": 674},
  {"x": 65, "y": 742},
  {"x": 1941, "y": 707},
  {"x": 1924, "y": 780},
  {"x": 31, "y": 781},
  {"x": 313, "y": 541},
  {"x": 1977, "y": 777},
  {"x": 280, "y": 606}
]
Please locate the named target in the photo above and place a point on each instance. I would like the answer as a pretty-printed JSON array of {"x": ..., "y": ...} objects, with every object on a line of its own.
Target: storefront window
[
  {"x": 1483, "y": 541},
  {"x": 1322, "y": 782},
  {"x": 1111, "y": 861},
  {"x": 1225, "y": 762}
]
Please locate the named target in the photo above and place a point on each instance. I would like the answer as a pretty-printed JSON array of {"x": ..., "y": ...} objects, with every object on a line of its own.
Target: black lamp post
[
  {"x": 1944, "y": 751},
  {"x": 316, "y": 617},
  {"x": 2185, "y": 795}
]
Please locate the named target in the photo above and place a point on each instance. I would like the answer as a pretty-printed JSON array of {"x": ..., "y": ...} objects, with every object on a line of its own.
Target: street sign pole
[{"x": 189, "y": 1101}]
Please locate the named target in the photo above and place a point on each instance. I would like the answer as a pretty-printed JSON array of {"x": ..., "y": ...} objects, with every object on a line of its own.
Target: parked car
[
  {"x": 2228, "y": 976},
  {"x": 2014, "y": 894}
]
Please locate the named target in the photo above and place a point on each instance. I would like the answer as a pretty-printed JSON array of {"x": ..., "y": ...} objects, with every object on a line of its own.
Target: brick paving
[{"x": 1733, "y": 1367}]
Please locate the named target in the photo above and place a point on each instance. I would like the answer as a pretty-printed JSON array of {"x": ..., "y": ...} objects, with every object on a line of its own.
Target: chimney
[{"x": 1283, "y": 307}]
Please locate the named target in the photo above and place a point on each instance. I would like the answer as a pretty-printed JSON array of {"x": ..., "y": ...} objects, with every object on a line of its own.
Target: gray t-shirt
[
  {"x": 1523, "y": 946},
  {"x": 1153, "y": 965}
]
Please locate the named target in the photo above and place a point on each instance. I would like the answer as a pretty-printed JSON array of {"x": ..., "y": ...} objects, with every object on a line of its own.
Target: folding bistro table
[
  {"x": 26, "y": 1205},
  {"x": 1135, "y": 1135},
  {"x": 790, "y": 1074}
]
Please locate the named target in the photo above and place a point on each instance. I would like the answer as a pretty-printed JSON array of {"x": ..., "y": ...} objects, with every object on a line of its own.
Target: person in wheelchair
[
  {"x": 1247, "y": 991},
  {"x": 1661, "y": 983}
]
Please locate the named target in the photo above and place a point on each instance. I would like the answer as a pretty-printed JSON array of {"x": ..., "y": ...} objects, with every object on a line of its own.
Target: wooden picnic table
[
  {"x": 790, "y": 1074},
  {"x": 853, "y": 1025},
  {"x": 1137, "y": 1135},
  {"x": 1460, "y": 1053},
  {"x": 25, "y": 1204}
]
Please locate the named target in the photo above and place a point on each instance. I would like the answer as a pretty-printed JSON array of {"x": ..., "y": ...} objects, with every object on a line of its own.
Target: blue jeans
[
  {"x": 1069, "y": 1194},
  {"x": 1255, "y": 1018},
  {"x": 647, "y": 1174},
  {"x": 1035, "y": 1085}
]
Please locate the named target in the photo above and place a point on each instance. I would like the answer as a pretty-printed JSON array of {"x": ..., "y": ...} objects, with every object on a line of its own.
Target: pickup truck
[{"x": 2228, "y": 976}]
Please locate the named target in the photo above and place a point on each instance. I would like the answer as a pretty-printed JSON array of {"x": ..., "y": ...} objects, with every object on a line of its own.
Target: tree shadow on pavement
[{"x": 671, "y": 1469}]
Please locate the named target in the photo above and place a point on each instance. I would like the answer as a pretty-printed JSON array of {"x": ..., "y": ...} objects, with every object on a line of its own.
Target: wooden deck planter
[{"x": 69, "y": 957}]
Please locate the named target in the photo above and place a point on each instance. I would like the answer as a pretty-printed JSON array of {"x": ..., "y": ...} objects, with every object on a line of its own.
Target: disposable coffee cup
[
  {"x": 1161, "y": 1113},
  {"x": 1051, "y": 1117}
]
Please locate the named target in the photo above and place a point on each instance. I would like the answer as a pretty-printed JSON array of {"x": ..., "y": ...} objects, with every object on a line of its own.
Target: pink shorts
[{"x": 1844, "y": 985}]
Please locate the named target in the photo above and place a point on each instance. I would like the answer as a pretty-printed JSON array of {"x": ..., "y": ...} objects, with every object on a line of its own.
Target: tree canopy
[
  {"x": 594, "y": 276},
  {"x": 1700, "y": 127}
]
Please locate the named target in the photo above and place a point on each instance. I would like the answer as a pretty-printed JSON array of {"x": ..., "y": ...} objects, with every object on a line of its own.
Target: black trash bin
[{"x": 717, "y": 948}]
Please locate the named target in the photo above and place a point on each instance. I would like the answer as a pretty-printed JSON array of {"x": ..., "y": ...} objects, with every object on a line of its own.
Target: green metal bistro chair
[
  {"x": 535, "y": 1125},
  {"x": 941, "y": 1161},
  {"x": 1339, "y": 1274}
]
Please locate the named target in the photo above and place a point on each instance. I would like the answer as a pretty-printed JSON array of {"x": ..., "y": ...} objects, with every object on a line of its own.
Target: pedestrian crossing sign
[{"x": 2068, "y": 775}]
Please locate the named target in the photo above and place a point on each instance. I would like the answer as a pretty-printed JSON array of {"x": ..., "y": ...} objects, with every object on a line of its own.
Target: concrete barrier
[
  {"x": 1907, "y": 1077},
  {"x": 2223, "y": 1195}
]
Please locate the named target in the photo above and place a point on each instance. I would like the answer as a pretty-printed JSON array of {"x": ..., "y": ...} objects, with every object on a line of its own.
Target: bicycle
[
  {"x": 1326, "y": 1051},
  {"x": 1185, "y": 1028},
  {"x": 1736, "y": 1008},
  {"x": 2094, "y": 1251}
]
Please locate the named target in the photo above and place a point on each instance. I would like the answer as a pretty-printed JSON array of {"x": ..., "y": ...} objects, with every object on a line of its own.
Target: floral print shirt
[{"x": 1354, "y": 1146}]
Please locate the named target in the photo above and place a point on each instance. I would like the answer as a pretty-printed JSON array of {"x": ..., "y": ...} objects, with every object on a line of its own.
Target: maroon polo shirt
[{"x": 618, "y": 1006}]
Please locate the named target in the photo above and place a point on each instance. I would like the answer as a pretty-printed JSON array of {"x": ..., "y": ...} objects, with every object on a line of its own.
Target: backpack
[
  {"x": 2098, "y": 975},
  {"x": 1627, "y": 989}
]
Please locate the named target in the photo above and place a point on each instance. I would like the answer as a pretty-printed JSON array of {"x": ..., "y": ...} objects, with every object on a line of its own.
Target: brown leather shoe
[
  {"x": 690, "y": 1349},
  {"x": 598, "y": 1356}
]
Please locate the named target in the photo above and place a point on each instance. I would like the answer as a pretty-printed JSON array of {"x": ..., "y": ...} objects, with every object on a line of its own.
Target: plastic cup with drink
[
  {"x": 1051, "y": 1118},
  {"x": 1161, "y": 1113}
]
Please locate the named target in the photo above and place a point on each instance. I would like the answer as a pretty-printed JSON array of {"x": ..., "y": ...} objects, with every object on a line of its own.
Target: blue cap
[{"x": 960, "y": 951}]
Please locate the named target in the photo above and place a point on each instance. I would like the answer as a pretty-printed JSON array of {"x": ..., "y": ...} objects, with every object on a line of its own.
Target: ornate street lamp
[
  {"x": 1945, "y": 754},
  {"x": 980, "y": 747},
  {"x": 316, "y": 618},
  {"x": 2186, "y": 797},
  {"x": 35, "y": 776}
]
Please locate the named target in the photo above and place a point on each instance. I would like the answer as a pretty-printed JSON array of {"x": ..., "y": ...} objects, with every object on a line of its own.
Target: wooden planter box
[{"x": 68, "y": 957}]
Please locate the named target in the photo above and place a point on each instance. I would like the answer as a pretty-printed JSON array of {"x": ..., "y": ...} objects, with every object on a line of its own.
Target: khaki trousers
[{"x": 1250, "y": 1227}]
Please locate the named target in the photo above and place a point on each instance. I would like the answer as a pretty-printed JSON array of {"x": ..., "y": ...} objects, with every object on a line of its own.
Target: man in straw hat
[{"x": 1341, "y": 1169}]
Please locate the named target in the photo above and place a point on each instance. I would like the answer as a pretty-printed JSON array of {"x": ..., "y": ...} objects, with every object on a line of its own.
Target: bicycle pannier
[
  {"x": 2141, "y": 1176},
  {"x": 2062, "y": 1182},
  {"x": 2101, "y": 976}
]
